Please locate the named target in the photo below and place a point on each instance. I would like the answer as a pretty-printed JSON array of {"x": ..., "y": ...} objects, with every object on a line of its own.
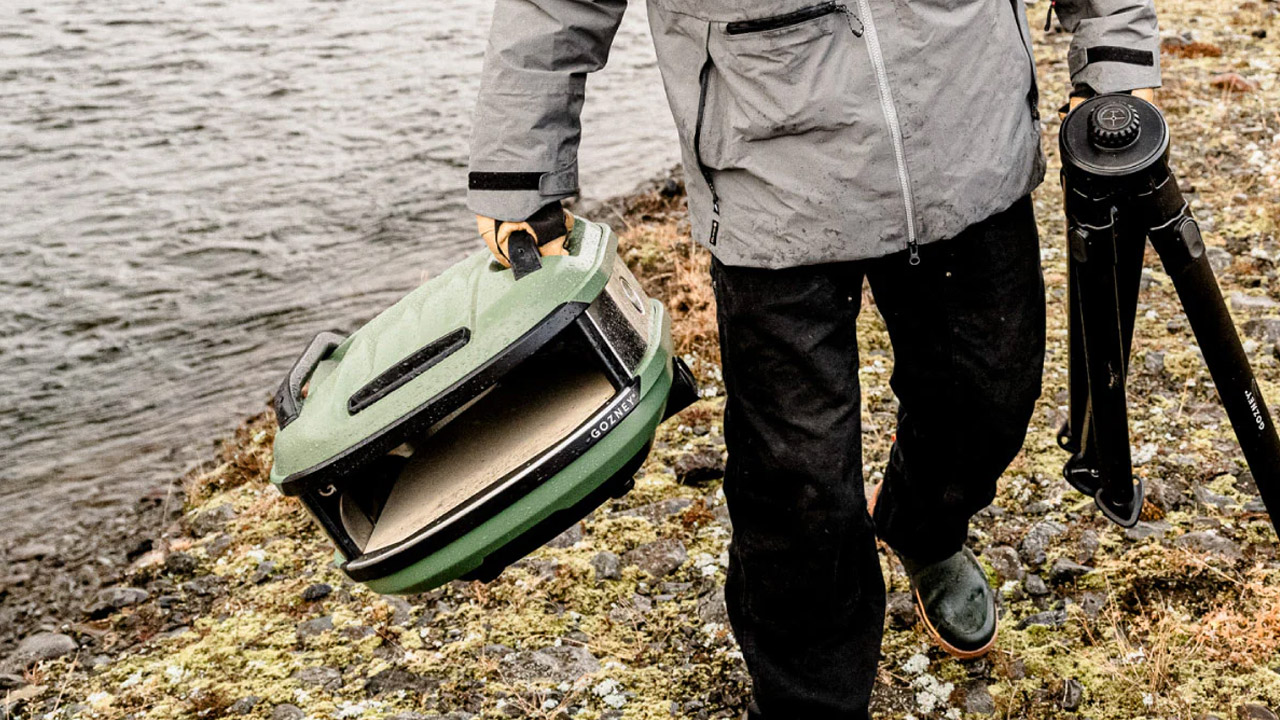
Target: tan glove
[
  {"x": 550, "y": 227},
  {"x": 1148, "y": 94}
]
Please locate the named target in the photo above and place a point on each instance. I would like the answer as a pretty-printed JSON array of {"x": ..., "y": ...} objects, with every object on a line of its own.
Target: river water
[{"x": 190, "y": 189}]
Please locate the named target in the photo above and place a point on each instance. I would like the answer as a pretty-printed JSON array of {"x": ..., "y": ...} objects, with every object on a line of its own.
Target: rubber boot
[{"x": 955, "y": 602}]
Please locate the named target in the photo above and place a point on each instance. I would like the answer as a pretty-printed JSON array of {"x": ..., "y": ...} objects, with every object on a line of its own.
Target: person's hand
[
  {"x": 1148, "y": 94},
  {"x": 549, "y": 227}
]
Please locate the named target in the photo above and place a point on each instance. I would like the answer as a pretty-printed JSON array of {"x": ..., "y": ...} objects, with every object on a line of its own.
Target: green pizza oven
[{"x": 479, "y": 416}]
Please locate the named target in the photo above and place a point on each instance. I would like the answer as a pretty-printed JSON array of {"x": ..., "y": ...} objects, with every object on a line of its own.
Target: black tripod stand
[{"x": 1119, "y": 191}]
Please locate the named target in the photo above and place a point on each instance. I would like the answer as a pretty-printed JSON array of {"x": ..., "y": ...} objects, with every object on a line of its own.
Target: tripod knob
[{"x": 1114, "y": 125}]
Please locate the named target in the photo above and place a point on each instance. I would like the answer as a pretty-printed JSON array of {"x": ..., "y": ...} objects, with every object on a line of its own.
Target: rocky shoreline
[{"x": 217, "y": 598}]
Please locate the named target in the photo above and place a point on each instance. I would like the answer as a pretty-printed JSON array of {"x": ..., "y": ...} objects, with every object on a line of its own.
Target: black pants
[{"x": 804, "y": 591}]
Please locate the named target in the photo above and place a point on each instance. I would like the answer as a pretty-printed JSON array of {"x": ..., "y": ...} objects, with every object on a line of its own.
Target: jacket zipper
[
  {"x": 776, "y": 22},
  {"x": 697, "y": 141},
  {"x": 895, "y": 129},
  {"x": 1033, "y": 97}
]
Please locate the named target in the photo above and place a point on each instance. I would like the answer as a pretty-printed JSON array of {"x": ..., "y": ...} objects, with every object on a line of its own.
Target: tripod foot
[{"x": 1086, "y": 479}]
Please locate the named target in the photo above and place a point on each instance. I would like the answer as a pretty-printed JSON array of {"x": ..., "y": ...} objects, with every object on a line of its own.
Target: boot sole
[{"x": 933, "y": 633}]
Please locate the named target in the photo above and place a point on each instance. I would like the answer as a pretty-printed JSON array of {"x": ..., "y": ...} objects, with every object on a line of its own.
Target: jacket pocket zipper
[
  {"x": 777, "y": 22},
  {"x": 1033, "y": 98}
]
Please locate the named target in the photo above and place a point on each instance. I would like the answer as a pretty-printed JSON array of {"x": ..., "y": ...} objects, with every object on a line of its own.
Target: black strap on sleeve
[
  {"x": 1112, "y": 53},
  {"x": 504, "y": 180}
]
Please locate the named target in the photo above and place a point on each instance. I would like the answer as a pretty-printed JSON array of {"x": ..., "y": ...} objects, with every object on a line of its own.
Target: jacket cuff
[
  {"x": 515, "y": 195},
  {"x": 1110, "y": 69}
]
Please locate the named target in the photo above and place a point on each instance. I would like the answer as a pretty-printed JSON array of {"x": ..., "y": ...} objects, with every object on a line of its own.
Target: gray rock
[
  {"x": 402, "y": 611},
  {"x": 1240, "y": 301},
  {"x": 608, "y": 565},
  {"x": 1252, "y": 711},
  {"x": 244, "y": 705},
  {"x": 658, "y": 558},
  {"x": 287, "y": 712},
  {"x": 263, "y": 572},
  {"x": 212, "y": 520},
  {"x": 1210, "y": 543},
  {"x": 659, "y": 511},
  {"x": 977, "y": 700},
  {"x": 11, "y": 681},
  {"x": 1072, "y": 694},
  {"x": 1064, "y": 570},
  {"x": 1087, "y": 547},
  {"x": 320, "y": 676},
  {"x": 218, "y": 546},
  {"x": 1144, "y": 530},
  {"x": 1211, "y": 498},
  {"x": 31, "y": 551},
  {"x": 205, "y": 586},
  {"x": 394, "y": 680},
  {"x": 1048, "y": 618},
  {"x": 1153, "y": 363},
  {"x": 711, "y": 608},
  {"x": 315, "y": 626},
  {"x": 900, "y": 608},
  {"x": 180, "y": 563},
  {"x": 1034, "y": 585},
  {"x": 1219, "y": 259},
  {"x": 43, "y": 646},
  {"x": 567, "y": 538},
  {"x": 700, "y": 465},
  {"x": 566, "y": 663},
  {"x": 120, "y": 597},
  {"x": 633, "y": 612},
  {"x": 1004, "y": 560},
  {"x": 1092, "y": 603},
  {"x": 1037, "y": 540},
  {"x": 318, "y": 591}
]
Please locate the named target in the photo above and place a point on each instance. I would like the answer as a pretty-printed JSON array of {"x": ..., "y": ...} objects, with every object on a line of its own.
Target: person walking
[{"x": 895, "y": 141}]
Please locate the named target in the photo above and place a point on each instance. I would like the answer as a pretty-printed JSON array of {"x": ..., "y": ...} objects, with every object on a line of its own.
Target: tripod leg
[
  {"x": 1071, "y": 436},
  {"x": 1105, "y": 452},
  {"x": 1181, "y": 251}
]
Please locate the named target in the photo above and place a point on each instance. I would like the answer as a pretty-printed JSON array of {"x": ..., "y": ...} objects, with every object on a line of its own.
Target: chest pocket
[{"x": 781, "y": 75}]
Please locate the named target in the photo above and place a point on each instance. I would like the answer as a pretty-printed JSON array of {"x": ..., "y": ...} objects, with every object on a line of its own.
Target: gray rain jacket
[{"x": 810, "y": 131}]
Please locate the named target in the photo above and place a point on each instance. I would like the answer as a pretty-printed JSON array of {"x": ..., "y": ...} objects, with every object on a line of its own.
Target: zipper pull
[
  {"x": 855, "y": 23},
  {"x": 1048, "y": 17},
  {"x": 914, "y": 249}
]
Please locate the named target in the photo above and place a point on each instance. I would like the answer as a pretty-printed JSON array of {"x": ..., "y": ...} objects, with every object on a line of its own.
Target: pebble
[
  {"x": 1087, "y": 547},
  {"x": 244, "y": 705},
  {"x": 568, "y": 538},
  {"x": 315, "y": 626},
  {"x": 30, "y": 551},
  {"x": 318, "y": 591},
  {"x": 1144, "y": 530},
  {"x": 320, "y": 676},
  {"x": 712, "y": 608},
  {"x": 43, "y": 646},
  {"x": 1240, "y": 301},
  {"x": 112, "y": 599},
  {"x": 1037, "y": 540},
  {"x": 1251, "y": 711},
  {"x": 900, "y": 607},
  {"x": 659, "y": 558},
  {"x": 1064, "y": 570},
  {"x": 608, "y": 566},
  {"x": 212, "y": 520},
  {"x": 287, "y": 712},
  {"x": 180, "y": 563},
  {"x": 1210, "y": 542},
  {"x": 1004, "y": 560},
  {"x": 566, "y": 663},
  {"x": 263, "y": 572},
  {"x": 658, "y": 511},
  {"x": 699, "y": 466},
  {"x": 1048, "y": 618},
  {"x": 1153, "y": 362},
  {"x": 978, "y": 700},
  {"x": 1072, "y": 694},
  {"x": 397, "y": 680},
  {"x": 1267, "y": 329},
  {"x": 1219, "y": 259},
  {"x": 1035, "y": 587}
]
